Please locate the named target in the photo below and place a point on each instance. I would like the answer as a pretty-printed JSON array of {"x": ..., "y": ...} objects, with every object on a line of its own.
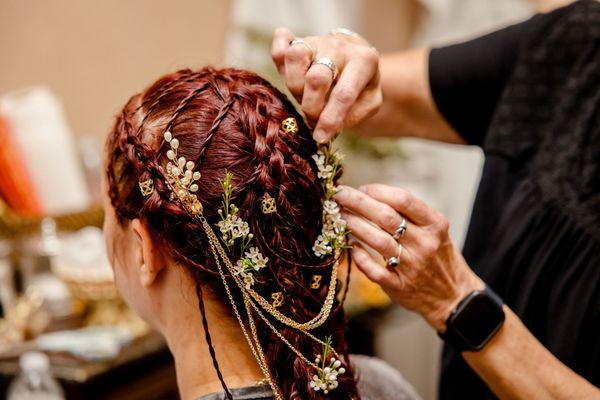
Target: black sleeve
[{"x": 467, "y": 79}]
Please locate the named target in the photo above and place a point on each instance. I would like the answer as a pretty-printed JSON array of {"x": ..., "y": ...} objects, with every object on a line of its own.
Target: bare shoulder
[{"x": 379, "y": 380}]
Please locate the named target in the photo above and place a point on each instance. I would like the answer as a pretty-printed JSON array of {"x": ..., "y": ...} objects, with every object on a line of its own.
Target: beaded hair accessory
[{"x": 237, "y": 242}]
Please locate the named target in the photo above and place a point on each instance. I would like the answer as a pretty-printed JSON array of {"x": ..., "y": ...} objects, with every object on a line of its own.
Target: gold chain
[
  {"x": 284, "y": 340},
  {"x": 255, "y": 348},
  {"x": 318, "y": 320}
]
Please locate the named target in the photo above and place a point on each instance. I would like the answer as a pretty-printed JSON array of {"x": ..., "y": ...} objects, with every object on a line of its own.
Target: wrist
[{"x": 466, "y": 285}]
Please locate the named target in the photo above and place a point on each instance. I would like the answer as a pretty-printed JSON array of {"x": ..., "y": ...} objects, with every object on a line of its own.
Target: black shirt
[{"x": 529, "y": 95}]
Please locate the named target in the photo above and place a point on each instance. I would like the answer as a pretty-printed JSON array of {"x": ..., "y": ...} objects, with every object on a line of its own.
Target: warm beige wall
[{"x": 96, "y": 53}]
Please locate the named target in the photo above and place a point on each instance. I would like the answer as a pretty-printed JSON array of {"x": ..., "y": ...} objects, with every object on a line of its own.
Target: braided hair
[{"x": 230, "y": 119}]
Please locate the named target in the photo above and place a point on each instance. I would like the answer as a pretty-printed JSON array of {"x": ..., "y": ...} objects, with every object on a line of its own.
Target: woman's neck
[{"x": 196, "y": 374}]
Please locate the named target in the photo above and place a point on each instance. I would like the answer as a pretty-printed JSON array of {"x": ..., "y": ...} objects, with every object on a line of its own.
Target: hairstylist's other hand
[
  {"x": 330, "y": 102},
  {"x": 432, "y": 276}
]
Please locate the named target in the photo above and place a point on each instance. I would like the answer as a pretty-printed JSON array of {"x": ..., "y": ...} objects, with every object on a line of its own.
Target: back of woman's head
[{"x": 231, "y": 120}]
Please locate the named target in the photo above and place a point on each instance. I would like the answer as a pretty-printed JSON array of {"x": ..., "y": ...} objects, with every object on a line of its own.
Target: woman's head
[{"x": 225, "y": 120}]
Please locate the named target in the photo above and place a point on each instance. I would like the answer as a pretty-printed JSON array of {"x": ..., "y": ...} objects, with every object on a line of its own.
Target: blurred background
[{"x": 67, "y": 67}]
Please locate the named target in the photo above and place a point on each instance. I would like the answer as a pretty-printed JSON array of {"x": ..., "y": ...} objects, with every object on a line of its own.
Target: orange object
[{"x": 16, "y": 187}]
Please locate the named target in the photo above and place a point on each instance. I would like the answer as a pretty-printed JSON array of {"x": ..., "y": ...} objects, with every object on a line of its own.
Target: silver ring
[
  {"x": 305, "y": 43},
  {"x": 401, "y": 229},
  {"x": 326, "y": 61},
  {"x": 395, "y": 261}
]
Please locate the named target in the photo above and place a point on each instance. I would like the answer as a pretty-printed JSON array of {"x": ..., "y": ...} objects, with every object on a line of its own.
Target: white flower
[
  {"x": 248, "y": 281},
  {"x": 224, "y": 226},
  {"x": 253, "y": 253},
  {"x": 319, "y": 158},
  {"x": 325, "y": 171},
  {"x": 239, "y": 268},
  {"x": 321, "y": 246},
  {"x": 339, "y": 225},
  {"x": 239, "y": 228},
  {"x": 261, "y": 262},
  {"x": 331, "y": 207}
]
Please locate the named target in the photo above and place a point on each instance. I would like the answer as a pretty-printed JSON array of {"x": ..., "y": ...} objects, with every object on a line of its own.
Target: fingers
[
  {"x": 353, "y": 80},
  {"x": 360, "y": 203},
  {"x": 316, "y": 87},
  {"x": 403, "y": 202},
  {"x": 281, "y": 40},
  {"x": 372, "y": 236},
  {"x": 371, "y": 268},
  {"x": 367, "y": 105},
  {"x": 297, "y": 60}
]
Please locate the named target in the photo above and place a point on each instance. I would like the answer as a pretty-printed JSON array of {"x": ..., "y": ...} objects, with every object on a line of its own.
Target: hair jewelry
[
  {"x": 289, "y": 125},
  {"x": 315, "y": 282},
  {"x": 236, "y": 237},
  {"x": 277, "y": 299},
  {"x": 146, "y": 187},
  {"x": 267, "y": 204}
]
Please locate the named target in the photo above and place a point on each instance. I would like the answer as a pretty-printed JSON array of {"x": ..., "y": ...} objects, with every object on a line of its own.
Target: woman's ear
[{"x": 148, "y": 257}]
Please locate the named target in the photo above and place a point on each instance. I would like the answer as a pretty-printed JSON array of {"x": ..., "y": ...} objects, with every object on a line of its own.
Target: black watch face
[{"x": 477, "y": 320}]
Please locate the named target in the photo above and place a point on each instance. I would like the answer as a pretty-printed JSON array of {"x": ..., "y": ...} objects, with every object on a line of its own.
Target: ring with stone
[{"x": 395, "y": 261}]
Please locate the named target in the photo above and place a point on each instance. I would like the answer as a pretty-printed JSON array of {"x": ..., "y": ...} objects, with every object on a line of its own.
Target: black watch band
[{"x": 474, "y": 321}]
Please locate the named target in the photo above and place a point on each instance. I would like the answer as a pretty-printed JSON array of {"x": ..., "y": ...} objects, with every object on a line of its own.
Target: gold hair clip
[
  {"x": 289, "y": 125},
  {"x": 315, "y": 282},
  {"x": 181, "y": 176},
  {"x": 277, "y": 299},
  {"x": 268, "y": 205},
  {"x": 146, "y": 187}
]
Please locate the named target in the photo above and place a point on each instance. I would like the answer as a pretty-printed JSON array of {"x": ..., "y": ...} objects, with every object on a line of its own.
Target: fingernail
[{"x": 320, "y": 136}]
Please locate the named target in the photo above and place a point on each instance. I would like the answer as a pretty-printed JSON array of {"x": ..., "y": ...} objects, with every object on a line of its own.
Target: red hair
[{"x": 231, "y": 119}]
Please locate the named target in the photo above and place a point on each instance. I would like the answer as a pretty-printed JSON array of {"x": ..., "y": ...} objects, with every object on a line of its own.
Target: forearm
[
  {"x": 515, "y": 365},
  {"x": 408, "y": 108}
]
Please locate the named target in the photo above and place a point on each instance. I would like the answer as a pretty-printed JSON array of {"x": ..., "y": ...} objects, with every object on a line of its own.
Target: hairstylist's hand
[
  {"x": 431, "y": 276},
  {"x": 332, "y": 96}
]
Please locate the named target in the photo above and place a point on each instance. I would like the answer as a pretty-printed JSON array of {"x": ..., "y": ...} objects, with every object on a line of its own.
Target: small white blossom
[
  {"x": 331, "y": 207},
  {"x": 248, "y": 281},
  {"x": 261, "y": 261},
  {"x": 253, "y": 253},
  {"x": 325, "y": 171},
  {"x": 319, "y": 158}
]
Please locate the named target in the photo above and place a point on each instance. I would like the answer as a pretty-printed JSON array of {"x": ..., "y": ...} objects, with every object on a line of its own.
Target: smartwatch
[{"x": 474, "y": 321}]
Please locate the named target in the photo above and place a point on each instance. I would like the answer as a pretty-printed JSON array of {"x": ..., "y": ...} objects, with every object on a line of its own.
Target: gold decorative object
[
  {"x": 181, "y": 177},
  {"x": 277, "y": 299},
  {"x": 289, "y": 125},
  {"x": 146, "y": 187},
  {"x": 315, "y": 282},
  {"x": 268, "y": 204}
]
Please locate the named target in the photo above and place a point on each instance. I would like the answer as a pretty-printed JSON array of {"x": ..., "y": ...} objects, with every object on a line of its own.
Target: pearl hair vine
[{"x": 237, "y": 242}]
